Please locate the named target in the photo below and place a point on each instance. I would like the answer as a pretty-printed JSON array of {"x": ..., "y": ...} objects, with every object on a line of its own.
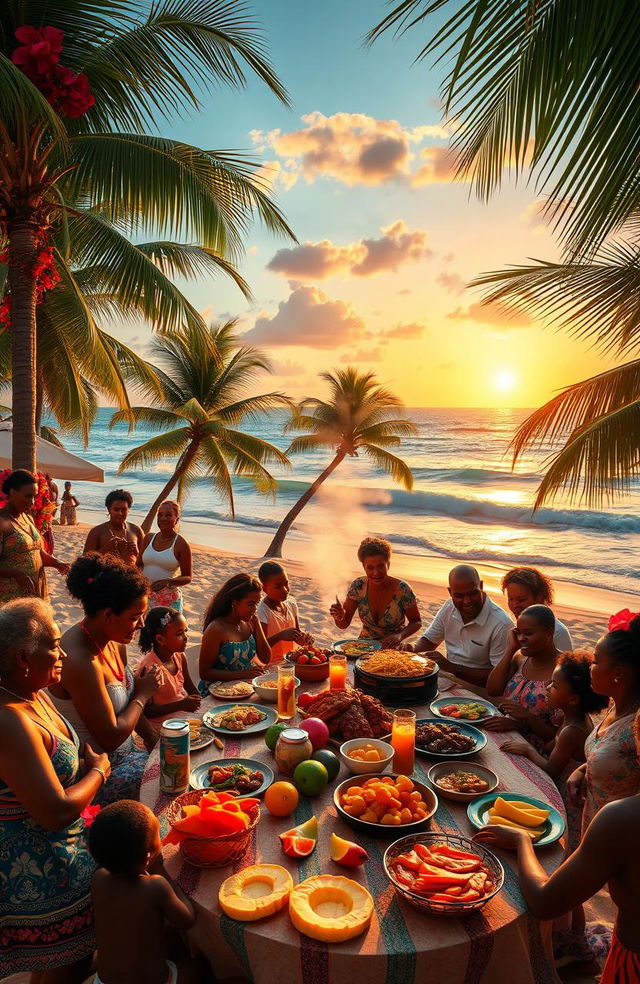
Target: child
[
  {"x": 278, "y": 612},
  {"x": 133, "y": 900},
  {"x": 232, "y": 635},
  {"x": 164, "y": 638}
]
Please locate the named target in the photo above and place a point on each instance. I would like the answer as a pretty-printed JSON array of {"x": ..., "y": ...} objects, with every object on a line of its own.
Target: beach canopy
[{"x": 51, "y": 460}]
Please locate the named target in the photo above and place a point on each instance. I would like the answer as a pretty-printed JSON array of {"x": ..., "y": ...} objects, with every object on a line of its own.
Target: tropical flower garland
[
  {"x": 43, "y": 506},
  {"x": 46, "y": 277}
]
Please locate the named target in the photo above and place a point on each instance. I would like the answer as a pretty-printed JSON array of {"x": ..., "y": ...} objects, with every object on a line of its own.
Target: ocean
[{"x": 466, "y": 504}]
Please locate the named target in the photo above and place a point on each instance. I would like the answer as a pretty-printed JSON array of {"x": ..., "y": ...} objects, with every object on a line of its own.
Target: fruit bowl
[
  {"x": 310, "y": 672},
  {"x": 452, "y": 908},
  {"x": 379, "y": 829},
  {"x": 366, "y": 768},
  {"x": 268, "y": 694},
  {"x": 211, "y": 852}
]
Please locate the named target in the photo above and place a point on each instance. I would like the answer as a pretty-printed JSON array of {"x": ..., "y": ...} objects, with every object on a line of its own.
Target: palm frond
[
  {"x": 150, "y": 417},
  {"x": 394, "y": 466},
  {"x": 217, "y": 469},
  {"x": 21, "y": 100},
  {"x": 168, "y": 445},
  {"x": 310, "y": 442}
]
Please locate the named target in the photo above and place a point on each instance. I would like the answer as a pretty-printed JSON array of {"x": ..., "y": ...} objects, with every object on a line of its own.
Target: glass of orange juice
[
  {"x": 403, "y": 740},
  {"x": 337, "y": 672},
  {"x": 286, "y": 691}
]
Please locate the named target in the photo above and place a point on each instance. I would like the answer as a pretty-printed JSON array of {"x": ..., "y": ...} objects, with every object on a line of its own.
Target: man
[
  {"x": 473, "y": 628},
  {"x": 117, "y": 536}
]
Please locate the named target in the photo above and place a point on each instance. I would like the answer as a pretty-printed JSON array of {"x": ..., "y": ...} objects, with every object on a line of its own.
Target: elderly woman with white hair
[{"x": 46, "y": 922}]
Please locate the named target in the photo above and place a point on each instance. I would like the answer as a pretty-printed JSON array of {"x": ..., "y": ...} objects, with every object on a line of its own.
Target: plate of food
[
  {"x": 396, "y": 663},
  {"x": 354, "y": 648},
  {"x": 349, "y": 714},
  {"x": 231, "y": 690},
  {"x": 240, "y": 719},
  {"x": 385, "y": 805},
  {"x": 240, "y": 777},
  {"x": 464, "y": 709},
  {"x": 462, "y": 781},
  {"x": 199, "y": 735},
  {"x": 435, "y": 739},
  {"x": 544, "y": 824}
]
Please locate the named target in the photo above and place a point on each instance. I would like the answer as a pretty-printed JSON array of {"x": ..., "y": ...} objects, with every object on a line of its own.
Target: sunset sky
[{"x": 387, "y": 239}]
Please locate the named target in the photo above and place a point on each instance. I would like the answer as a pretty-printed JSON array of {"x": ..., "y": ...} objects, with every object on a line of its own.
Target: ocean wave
[{"x": 473, "y": 475}]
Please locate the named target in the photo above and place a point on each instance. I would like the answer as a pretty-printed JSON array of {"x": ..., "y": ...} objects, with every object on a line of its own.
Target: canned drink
[{"x": 174, "y": 756}]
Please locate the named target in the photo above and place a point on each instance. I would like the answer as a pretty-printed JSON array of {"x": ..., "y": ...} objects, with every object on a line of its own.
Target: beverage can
[{"x": 174, "y": 756}]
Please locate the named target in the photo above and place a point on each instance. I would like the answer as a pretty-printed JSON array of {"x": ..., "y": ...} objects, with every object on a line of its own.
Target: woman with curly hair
[
  {"x": 234, "y": 646},
  {"x": 97, "y": 691},
  {"x": 526, "y": 586}
]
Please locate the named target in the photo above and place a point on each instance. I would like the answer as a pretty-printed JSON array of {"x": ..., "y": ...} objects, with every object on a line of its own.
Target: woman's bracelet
[
  {"x": 140, "y": 703},
  {"x": 101, "y": 772}
]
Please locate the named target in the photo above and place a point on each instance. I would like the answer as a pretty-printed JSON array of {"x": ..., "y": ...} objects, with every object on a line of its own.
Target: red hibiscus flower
[
  {"x": 90, "y": 813},
  {"x": 622, "y": 620},
  {"x": 40, "y": 50}
]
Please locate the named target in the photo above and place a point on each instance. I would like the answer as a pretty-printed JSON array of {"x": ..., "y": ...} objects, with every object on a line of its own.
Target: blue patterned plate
[
  {"x": 355, "y": 648},
  {"x": 270, "y": 717},
  {"x": 478, "y": 813},
  {"x": 199, "y": 776},
  {"x": 479, "y": 738},
  {"x": 490, "y": 709}
]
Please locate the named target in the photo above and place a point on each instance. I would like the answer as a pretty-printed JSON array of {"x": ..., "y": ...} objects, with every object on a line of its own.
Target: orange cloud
[
  {"x": 308, "y": 318},
  {"x": 439, "y": 166},
  {"x": 411, "y": 330},
  {"x": 321, "y": 260},
  {"x": 362, "y": 355},
  {"x": 492, "y": 314},
  {"x": 452, "y": 282}
]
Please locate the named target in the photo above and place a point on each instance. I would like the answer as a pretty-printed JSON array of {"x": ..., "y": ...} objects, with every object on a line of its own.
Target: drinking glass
[{"x": 403, "y": 740}]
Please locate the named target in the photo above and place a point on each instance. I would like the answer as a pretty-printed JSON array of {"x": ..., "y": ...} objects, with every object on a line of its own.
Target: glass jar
[{"x": 292, "y": 747}]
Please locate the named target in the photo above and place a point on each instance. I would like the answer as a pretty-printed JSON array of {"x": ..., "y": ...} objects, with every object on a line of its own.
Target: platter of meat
[
  {"x": 436, "y": 739},
  {"x": 350, "y": 714},
  {"x": 240, "y": 777}
]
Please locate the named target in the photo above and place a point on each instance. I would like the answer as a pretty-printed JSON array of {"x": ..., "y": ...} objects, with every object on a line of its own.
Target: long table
[{"x": 501, "y": 942}]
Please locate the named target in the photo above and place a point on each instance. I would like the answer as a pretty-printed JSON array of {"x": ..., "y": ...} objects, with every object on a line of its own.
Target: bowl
[
  {"x": 268, "y": 694},
  {"x": 211, "y": 852},
  {"x": 366, "y": 768},
  {"x": 310, "y": 672},
  {"x": 380, "y": 829},
  {"x": 467, "y": 729},
  {"x": 444, "y": 768},
  {"x": 452, "y": 908}
]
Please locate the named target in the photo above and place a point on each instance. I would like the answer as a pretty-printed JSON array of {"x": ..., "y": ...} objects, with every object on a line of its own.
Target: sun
[{"x": 505, "y": 380}]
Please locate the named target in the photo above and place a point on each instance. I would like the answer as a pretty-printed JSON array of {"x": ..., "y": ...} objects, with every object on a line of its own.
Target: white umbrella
[{"x": 52, "y": 460}]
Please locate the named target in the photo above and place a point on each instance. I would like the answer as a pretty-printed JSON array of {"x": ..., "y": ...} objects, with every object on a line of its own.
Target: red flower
[
  {"x": 89, "y": 814},
  {"x": 40, "y": 50},
  {"x": 622, "y": 620}
]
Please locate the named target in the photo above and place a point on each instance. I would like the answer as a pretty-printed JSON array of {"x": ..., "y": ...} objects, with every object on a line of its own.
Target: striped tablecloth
[{"x": 500, "y": 943}]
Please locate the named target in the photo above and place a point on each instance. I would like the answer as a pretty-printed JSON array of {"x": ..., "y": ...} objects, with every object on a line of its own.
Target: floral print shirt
[
  {"x": 613, "y": 770},
  {"x": 532, "y": 695},
  {"x": 392, "y": 619}
]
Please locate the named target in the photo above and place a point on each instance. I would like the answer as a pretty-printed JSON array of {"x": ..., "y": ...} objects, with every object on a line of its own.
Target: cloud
[
  {"x": 355, "y": 149},
  {"x": 452, "y": 282},
  {"x": 373, "y": 355},
  {"x": 412, "y": 329},
  {"x": 439, "y": 167},
  {"x": 308, "y": 318},
  {"x": 286, "y": 368},
  {"x": 491, "y": 314},
  {"x": 365, "y": 258},
  {"x": 542, "y": 212}
]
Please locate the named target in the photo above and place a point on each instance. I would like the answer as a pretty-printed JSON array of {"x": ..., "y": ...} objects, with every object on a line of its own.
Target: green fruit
[
  {"x": 273, "y": 733},
  {"x": 330, "y": 761},
  {"x": 310, "y": 777}
]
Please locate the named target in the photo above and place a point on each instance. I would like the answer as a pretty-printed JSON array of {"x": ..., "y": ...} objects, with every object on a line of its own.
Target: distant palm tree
[
  {"x": 204, "y": 376},
  {"x": 143, "y": 62},
  {"x": 356, "y": 419}
]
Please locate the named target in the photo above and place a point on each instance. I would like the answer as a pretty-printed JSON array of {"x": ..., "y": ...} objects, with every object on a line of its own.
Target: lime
[
  {"x": 273, "y": 733},
  {"x": 310, "y": 777},
  {"x": 330, "y": 761}
]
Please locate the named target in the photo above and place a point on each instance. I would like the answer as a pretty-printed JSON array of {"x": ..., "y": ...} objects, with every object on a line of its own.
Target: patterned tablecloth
[{"x": 500, "y": 943}]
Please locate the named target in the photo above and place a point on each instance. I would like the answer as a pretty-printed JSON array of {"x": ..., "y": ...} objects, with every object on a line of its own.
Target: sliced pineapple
[
  {"x": 330, "y": 908},
  {"x": 255, "y": 892}
]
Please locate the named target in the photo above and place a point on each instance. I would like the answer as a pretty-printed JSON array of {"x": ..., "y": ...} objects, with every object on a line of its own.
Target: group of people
[{"x": 77, "y": 725}]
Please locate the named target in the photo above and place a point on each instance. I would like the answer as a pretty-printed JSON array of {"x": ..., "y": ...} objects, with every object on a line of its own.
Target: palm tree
[
  {"x": 355, "y": 420},
  {"x": 204, "y": 376},
  {"x": 142, "y": 63}
]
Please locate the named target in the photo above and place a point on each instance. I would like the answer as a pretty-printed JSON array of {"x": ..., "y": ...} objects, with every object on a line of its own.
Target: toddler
[
  {"x": 278, "y": 612},
  {"x": 164, "y": 639}
]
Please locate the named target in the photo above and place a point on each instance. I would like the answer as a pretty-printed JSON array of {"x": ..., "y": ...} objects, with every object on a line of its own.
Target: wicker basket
[
  {"x": 211, "y": 852},
  {"x": 452, "y": 908}
]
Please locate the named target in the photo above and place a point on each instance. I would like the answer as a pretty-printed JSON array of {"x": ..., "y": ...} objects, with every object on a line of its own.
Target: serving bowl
[
  {"x": 268, "y": 694},
  {"x": 211, "y": 852},
  {"x": 445, "y": 768},
  {"x": 310, "y": 672},
  {"x": 366, "y": 768},
  {"x": 448, "y": 908},
  {"x": 380, "y": 829}
]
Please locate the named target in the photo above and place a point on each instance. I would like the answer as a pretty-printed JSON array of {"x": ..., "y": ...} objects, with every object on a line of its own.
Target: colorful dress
[
  {"x": 68, "y": 509},
  {"x": 172, "y": 687},
  {"x": 532, "y": 695},
  {"x": 158, "y": 565},
  {"x": 392, "y": 619},
  {"x": 46, "y": 919},
  {"x": 613, "y": 770},
  {"x": 232, "y": 656},
  {"x": 21, "y": 549}
]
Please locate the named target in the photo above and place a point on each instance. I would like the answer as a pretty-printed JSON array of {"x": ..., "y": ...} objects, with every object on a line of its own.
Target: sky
[{"x": 387, "y": 239}]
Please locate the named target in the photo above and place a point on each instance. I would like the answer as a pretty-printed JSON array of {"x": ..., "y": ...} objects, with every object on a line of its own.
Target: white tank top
[{"x": 159, "y": 564}]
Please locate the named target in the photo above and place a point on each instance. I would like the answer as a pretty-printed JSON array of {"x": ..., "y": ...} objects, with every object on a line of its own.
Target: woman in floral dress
[
  {"x": 387, "y": 607},
  {"x": 46, "y": 921}
]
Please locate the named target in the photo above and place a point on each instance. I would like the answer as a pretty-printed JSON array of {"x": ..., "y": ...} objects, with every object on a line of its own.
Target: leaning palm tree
[
  {"x": 204, "y": 376},
  {"x": 142, "y": 62},
  {"x": 357, "y": 419}
]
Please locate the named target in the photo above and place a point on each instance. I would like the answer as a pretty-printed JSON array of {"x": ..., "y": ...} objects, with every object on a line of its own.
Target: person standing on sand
[
  {"x": 117, "y": 536},
  {"x": 68, "y": 507},
  {"x": 474, "y": 629},
  {"x": 165, "y": 559}
]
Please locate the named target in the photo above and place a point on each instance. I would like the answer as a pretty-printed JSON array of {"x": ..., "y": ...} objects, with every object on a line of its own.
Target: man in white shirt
[{"x": 473, "y": 628}]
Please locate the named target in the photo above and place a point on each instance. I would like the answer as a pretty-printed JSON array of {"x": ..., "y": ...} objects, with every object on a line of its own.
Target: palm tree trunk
[
  {"x": 275, "y": 547},
  {"x": 184, "y": 461},
  {"x": 22, "y": 258}
]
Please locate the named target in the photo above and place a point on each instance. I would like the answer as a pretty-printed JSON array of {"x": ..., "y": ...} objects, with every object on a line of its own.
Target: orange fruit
[{"x": 281, "y": 799}]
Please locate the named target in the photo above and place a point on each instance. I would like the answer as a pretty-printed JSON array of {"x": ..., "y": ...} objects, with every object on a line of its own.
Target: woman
[
  {"x": 46, "y": 922},
  {"x": 526, "y": 586},
  {"x": 163, "y": 555},
  {"x": 96, "y": 691},
  {"x": 612, "y": 770},
  {"x": 387, "y": 607},
  {"x": 68, "y": 507},
  {"x": 22, "y": 553},
  {"x": 523, "y": 677}
]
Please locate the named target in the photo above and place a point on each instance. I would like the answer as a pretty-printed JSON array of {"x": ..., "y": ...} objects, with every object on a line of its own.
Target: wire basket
[
  {"x": 211, "y": 852},
  {"x": 454, "y": 907}
]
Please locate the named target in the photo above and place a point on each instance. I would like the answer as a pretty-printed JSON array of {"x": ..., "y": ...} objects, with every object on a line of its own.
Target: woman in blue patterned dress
[
  {"x": 46, "y": 920},
  {"x": 97, "y": 691},
  {"x": 387, "y": 607},
  {"x": 234, "y": 646}
]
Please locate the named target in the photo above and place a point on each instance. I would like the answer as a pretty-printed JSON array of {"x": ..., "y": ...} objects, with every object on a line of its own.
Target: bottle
[
  {"x": 174, "y": 756},
  {"x": 292, "y": 747}
]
